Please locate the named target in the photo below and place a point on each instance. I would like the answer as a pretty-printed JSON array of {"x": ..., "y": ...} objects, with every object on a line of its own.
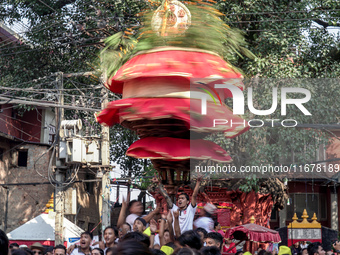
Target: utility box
[
  {"x": 78, "y": 151},
  {"x": 93, "y": 151}
]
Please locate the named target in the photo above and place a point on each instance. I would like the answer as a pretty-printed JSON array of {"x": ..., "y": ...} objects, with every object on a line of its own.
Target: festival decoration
[{"x": 182, "y": 49}]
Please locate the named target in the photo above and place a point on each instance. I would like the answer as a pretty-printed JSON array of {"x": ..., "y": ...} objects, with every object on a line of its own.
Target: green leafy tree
[
  {"x": 290, "y": 39},
  {"x": 290, "y": 44}
]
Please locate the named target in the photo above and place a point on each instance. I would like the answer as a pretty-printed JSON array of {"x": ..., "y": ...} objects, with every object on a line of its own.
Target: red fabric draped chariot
[{"x": 253, "y": 232}]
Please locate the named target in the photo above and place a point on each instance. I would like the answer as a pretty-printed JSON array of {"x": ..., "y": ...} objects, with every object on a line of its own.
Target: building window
[
  {"x": 313, "y": 203},
  {"x": 90, "y": 227},
  {"x": 273, "y": 216},
  {"x": 14, "y": 114},
  {"x": 81, "y": 224},
  {"x": 1, "y": 154},
  {"x": 22, "y": 158},
  {"x": 89, "y": 185}
]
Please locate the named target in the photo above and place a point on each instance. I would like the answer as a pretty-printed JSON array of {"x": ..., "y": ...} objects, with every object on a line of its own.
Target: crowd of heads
[
  {"x": 192, "y": 242},
  {"x": 34, "y": 249},
  {"x": 177, "y": 234}
]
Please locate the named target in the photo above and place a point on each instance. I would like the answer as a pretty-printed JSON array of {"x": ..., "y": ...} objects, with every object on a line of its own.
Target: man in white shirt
[
  {"x": 85, "y": 242},
  {"x": 205, "y": 221},
  {"x": 186, "y": 208}
]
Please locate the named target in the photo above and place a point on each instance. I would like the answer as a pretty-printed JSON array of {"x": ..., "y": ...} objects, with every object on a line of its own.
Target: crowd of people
[
  {"x": 175, "y": 232},
  {"x": 190, "y": 242}
]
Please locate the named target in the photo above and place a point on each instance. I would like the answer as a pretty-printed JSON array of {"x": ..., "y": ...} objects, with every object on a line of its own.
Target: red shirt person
[{"x": 229, "y": 244}]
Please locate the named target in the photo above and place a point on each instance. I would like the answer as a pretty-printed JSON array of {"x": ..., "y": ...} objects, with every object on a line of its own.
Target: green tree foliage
[
  {"x": 290, "y": 39},
  {"x": 291, "y": 42},
  {"x": 66, "y": 36}
]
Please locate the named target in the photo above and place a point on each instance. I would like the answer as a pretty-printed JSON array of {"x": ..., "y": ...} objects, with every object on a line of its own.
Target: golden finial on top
[
  {"x": 314, "y": 217},
  {"x": 304, "y": 216},
  {"x": 295, "y": 218},
  {"x": 252, "y": 219}
]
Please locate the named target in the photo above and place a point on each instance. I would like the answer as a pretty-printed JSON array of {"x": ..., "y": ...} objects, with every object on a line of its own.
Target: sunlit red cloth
[
  {"x": 180, "y": 87},
  {"x": 172, "y": 62},
  {"x": 187, "y": 110},
  {"x": 253, "y": 232},
  {"x": 29, "y": 243},
  {"x": 175, "y": 149},
  {"x": 230, "y": 249}
]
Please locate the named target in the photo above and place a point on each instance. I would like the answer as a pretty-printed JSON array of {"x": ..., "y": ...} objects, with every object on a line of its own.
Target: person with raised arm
[
  {"x": 186, "y": 208},
  {"x": 135, "y": 209}
]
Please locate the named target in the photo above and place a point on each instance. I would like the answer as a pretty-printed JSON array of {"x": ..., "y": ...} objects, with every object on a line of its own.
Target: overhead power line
[
  {"x": 283, "y": 12},
  {"x": 8, "y": 100},
  {"x": 47, "y": 5},
  {"x": 44, "y": 183},
  {"x": 279, "y": 20}
]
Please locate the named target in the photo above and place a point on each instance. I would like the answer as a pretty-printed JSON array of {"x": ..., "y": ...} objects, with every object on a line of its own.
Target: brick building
[
  {"x": 25, "y": 154},
  {"x": 24, "y": 158}
]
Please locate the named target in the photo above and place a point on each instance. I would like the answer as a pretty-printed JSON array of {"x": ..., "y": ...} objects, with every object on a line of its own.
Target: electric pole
[
  {"x": 105, "y": 152},
  {"x": 59, "y": 192}
]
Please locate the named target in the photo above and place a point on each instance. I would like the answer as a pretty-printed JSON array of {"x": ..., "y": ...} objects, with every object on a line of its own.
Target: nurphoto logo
[{"x": 238, "y": 100}]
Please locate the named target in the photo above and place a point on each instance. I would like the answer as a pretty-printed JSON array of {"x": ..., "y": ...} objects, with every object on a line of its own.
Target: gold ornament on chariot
[{"x": 171, "y": 18}]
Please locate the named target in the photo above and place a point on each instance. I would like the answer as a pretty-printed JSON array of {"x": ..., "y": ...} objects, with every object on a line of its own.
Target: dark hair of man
[
  {"x": 131, "y": 247},
  {"x": 142, "y": 221},
  {"x": 48, "y": 249},
  {"x": 216, "y": 224},
  {"x": 136, "y": 236},
  {"x": 22, "y": 252},
  {"x": 127, "y": 224},
  {"x": 238, "y": 253},
  {"x": 202, "y": 230},
  {"x": 261, "y": 252},
  {"x": 186, "y": 195},
  {"x": 4, "y": 243},
  {"x": 100, "y": 250},
  {"x": 87, "y": 233},
  {"x": 207, "y": 214},
  {"x": 115, "y": 230},
  {"x": 132, "y": 202},
  {"x": 313, "y": 248},
  {"x": 191, "y": 239},
  {"x": 111, "y": 251},
  {"x": 185, "y": 251},
  {"x": 13, "y": 245},
  {"x": 216, "y": 236},
  {"x": 60, "y": 246},
  {"x": 157, "y": 252},
  {"x": 210, "y": 250}
]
